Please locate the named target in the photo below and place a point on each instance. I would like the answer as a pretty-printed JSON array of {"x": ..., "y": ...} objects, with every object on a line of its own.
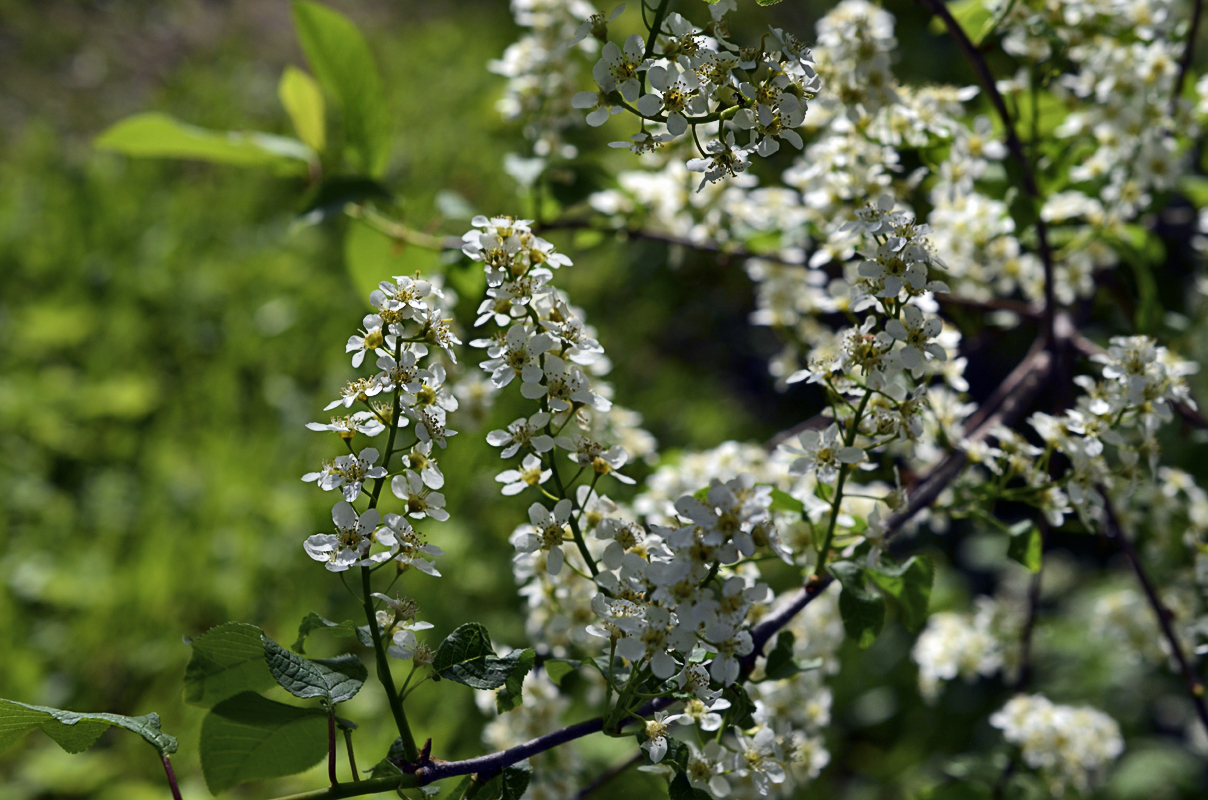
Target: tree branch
[
  {"x": 1196, "y": 689},
  {"x": 1188, "y": 54},
  {"x": 986, "y": 78}
]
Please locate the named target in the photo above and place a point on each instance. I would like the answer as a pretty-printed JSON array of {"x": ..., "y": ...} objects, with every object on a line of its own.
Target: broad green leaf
[
  {"x": 372, "y": 257},
  {"x": 556, "y": 669},
  {"x": 508, "y": 696},
  {"x": 741, "y": 710},
  {"x": 331, "y": 679},
  {"x": 75, "y": 731},
  {"x": 313, "y": 622},
  {"x": 226, "y": 660},
  {"x": 783, "y": 501},
  {"x": 974, "y": 17},
  {"x": 909, "y": 584},
  {"x": 1026, "y": 545},
  {"x": 247, "y": 737},
  {"x": 155, "y": 135},
  {"x": 303, "y": 101},
  {"x": 467, "y": 657},
  {"x": 863, "y": 612},
  {"x": 340, "y": 59}
]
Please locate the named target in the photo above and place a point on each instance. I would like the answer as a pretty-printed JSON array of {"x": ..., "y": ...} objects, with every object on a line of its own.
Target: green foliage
[
  {"x": 681, "y": 789},
  {"x": 226, "y": 660},
  {"x": 344, "y": 66},
  {"x": 332, "y": 680},
  {"x": 303, "y": 100},
  {"x": 863, "y": 611},
  {"x": 781, "y": 663},
  {"x": 556, "y": 669},
  {"x": 73, "y": 731},
  {"x": 371, "y": 257},
  {"x": 909, "y": 585},
  {"x": 248, "y": 737},
  {"x": 155, "y": 135},
  {"x": 466, "y": 656},
  {"x": 313, "y": 622},
  {"x": 1026, "y": 546},
  {"x": 510, "y": 784}
]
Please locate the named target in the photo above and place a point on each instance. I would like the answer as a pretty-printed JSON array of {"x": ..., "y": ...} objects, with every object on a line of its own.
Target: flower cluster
[
  {"x": 1070, "y": 745},
  {"x": 406, "y": 336},
  {"x": 686, "y": 77}
]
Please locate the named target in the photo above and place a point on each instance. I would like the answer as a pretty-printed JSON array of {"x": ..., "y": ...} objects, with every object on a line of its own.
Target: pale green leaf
[
  {"x": 344, "y": 66},
  {"x": 303, "y": 101},
  {"x": 155, "y": 135}
]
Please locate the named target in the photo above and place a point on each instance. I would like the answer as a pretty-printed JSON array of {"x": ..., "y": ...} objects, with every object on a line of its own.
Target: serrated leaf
[
  {"x": 331, "y": 679},
  {"x": 1026, "y": 545},
  {"x": 909, "y": 584},
  {"x": 155, "y": 135},
  {"x": 556, "y": 669},
  {"x": 248, "y": 737},
  {"x": 372, "y": 257},
  {"x": 227, "y": 660},
  {"x": 863, "y": 612},
  {"x": 76, "y": 731},
  {"x": 509, "y": 695},
  {"x": 385, "y": 768},
  {"x": 303, "y": 101},
  {"x": 514, "y": 781},
  {"x": 313, "y": 622},
  {"x": 768, "y": 2},
  {"x": 466, "y": 656},
  {"x": 344, "y": 66}
]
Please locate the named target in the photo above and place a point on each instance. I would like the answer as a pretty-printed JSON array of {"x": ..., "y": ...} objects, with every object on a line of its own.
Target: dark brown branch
[
  {"x": 608, "y": 774},
  {"x": 1196, "y": 689},
  {"x": 986, "y": 78},
  {"x": 1188, "y": 54}
]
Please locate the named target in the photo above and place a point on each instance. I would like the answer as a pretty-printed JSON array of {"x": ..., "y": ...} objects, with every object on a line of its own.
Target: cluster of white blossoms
[
  {"x": 541, "y": 68},
  {"x": 1071, "y": 746},
  {"x": 681, "y": 77},
  {"x": 407, "y": 389},
  {"x": 958, "y": 645}
]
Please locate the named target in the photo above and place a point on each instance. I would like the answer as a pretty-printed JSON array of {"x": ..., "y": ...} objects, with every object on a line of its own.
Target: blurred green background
[{"x": 166, "y": 331}]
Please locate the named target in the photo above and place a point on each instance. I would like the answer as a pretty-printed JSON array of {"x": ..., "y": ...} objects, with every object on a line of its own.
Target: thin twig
[
  {"x": 608, "y": 774},
  {"x": 1196, "y": 689},
  {"x": 171, "y": 773},
  {"x": 986, "y": 78}
]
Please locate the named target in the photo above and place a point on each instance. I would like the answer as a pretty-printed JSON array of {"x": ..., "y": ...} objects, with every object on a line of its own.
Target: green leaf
[
  {"x": 681, "y": 789},
  {"x": 515, "y": 781},
  {"x": 863, "y": 612},
  {"x": 226, "y": 660},
  {"x": 1026, "y": 545},
  {"x": 556, "y": 669},
  {"x": 372, "y": 257},
  {"x": 741, "y": 710},
  {"x": 75, "y": 731},
  {"x": 313, "y": 622},
  {"x": 768, "y": 2},
  {"x": 467, "y": 657},
  {"x": 509, "y": 695},
  {"x": 783, "y": 501},
  {"x": 248, "y": 737},
  {"x": 909, "y": 584},
  {"x": 155, "y": 135},
  {"x": 340, "y": 59},
  {"x": 974, "y": 17},
  {"x": 303, "y": 101},
  {"x": 331, "y": 679}
]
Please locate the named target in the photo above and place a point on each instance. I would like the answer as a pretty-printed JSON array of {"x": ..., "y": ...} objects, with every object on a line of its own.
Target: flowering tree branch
[
  {"x": 1195, "y": 688},
  {"x": 990, "y": 85}
]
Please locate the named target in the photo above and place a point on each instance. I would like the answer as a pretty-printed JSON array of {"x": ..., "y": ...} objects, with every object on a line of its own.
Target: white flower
[
  {"x": 548, "y": 535},
  {"x": 617, "y": 69},
  {"x": 822, "y": 452},
  {"x": 676, "y": 94},
  {"x": 421, "y": 501},
  {"x": 523, "y": 433},
  {"x": 370, "y": 338},
  {"x": 363, "y": 422},
  {"x": 407, "y": 546},
  {"x": 351, "y": 541},
  {"x": 656, "y": 735},
  {"x": 916, "y": 332},
  {"x": 531, "y": 473},
  {"x": 349, "y": 472}
]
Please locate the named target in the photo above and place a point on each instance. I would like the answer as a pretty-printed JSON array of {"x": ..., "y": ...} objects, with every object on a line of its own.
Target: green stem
[
  {"x": 371, "y": 786},
  {"x": 574, "y": 523},
  {"x": 848, "y": 441},
  {"x": 383, "y": 670},
  {"x": 352, "y": 758}
]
